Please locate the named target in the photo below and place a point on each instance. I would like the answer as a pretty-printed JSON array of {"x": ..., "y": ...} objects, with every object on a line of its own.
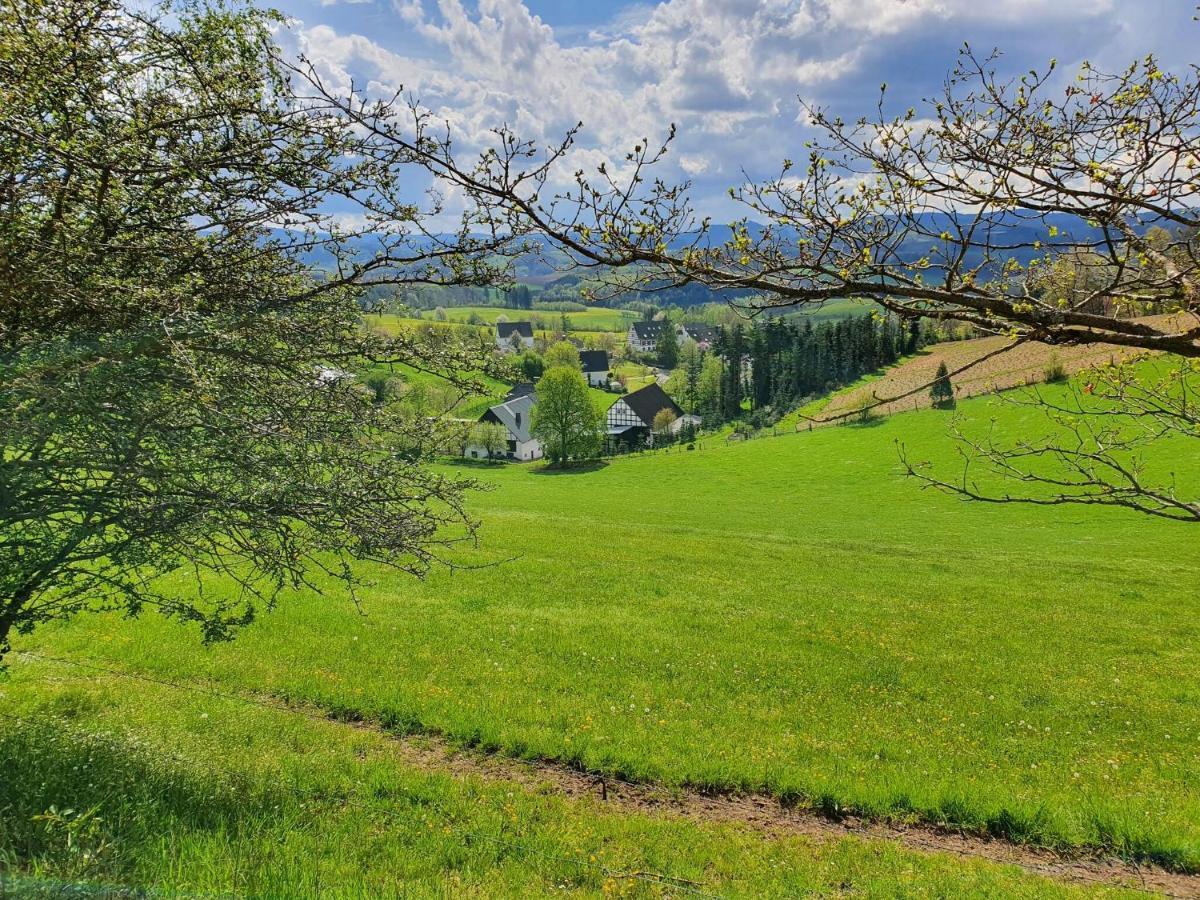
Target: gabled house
[
  {"x": 704, "y": 335},
  {"x": 643, "y": 336},
  {"x": 514, "y": 337},
  {"x": 595, "y": 367},
  {"x": 521, "y": 389},
  {"x": 630, "y": 420},
  {"x": 515, "y": 417}
]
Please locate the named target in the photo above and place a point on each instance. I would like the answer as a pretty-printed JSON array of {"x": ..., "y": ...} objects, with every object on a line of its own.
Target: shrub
[{"x": 1054, "y": 371}]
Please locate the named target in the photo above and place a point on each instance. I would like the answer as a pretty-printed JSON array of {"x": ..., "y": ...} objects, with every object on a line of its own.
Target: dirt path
[
  {"x": 434, "y": 753},
  {"x": 765, "y": 814}
]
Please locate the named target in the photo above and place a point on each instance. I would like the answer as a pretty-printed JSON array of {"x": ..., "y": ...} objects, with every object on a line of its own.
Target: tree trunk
[
  {"x": 7, "y": 617},
  {"x": 10, "y": 608}
]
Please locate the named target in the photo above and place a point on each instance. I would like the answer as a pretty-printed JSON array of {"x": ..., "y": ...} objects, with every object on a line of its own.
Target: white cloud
[{"x": 728, "y": 72}]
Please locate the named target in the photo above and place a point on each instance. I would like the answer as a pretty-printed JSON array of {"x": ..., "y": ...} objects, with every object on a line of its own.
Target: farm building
[
  {"x": 631, "y": 419},
  {"x": 644, "y": 336},
  {"x": 595, "y": 367},
  {"x": 514, "y": 416},
  {"x": 513, "y": 337}
]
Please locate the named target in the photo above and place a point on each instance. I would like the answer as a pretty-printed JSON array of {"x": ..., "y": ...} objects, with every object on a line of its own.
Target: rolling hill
[{"x": 785, "y": 617}]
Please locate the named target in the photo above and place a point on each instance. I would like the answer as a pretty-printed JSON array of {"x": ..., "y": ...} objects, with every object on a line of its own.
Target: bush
[{"x": 1055, "y": 371}]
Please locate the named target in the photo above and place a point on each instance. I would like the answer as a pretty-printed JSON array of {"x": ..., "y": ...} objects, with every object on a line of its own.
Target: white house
[
  {"x": 514, "y": 416},
  {"x": 631, "y": 419},
  {"x": 513, "y": 337},
  {"x": 595, "y": 367},
  {"x": 643, "y": 336}
]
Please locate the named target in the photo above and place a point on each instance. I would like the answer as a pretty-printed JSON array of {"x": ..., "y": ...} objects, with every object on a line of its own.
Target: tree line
[{"x": 760, "y": 371}]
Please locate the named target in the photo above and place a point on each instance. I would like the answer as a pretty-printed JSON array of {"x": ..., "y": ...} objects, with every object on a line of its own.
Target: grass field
[
  {"x": 597, "y": 319},
  {"x": 786, "y": 615},
  {"x": 222, "y": 798}
]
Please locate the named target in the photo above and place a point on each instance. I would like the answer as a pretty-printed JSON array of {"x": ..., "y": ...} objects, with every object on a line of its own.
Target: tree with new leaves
[
  {"x": 530, "y": 365},
  {"x": 663, "y": 425},
  {"x": 942, "y": 391},
  {"x": 164, "y": 345},
  {"x": 562, "y": 353},
  {"x": 491, "y": 437},
  {"x": 564, "y": 419}
]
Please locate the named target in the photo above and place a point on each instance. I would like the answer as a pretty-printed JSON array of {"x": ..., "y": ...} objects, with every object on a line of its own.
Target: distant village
[{"x": 634, "y": 421}]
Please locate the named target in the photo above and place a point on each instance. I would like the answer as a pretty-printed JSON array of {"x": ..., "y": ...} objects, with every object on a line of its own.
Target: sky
[{"x": 728, "y": 73}]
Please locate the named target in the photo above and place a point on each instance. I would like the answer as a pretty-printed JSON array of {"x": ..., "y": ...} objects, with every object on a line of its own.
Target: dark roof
[
  {"x": 594, "y": 360},
  {"x": 646, "y": 403},
  {"x": 514, "y": 415},
  {"x": 506, "y": 329},
  {"x": 646, "y": 330},
  {"x": 700, "y": 333},
  {"x": 519, "y": 390}
]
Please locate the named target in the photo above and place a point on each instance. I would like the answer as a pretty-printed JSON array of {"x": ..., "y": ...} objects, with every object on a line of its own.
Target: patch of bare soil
[{"x": 988, "y": 368}]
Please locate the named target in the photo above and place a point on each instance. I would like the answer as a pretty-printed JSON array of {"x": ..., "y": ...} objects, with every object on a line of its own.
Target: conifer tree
[{"x": 942, "y": 392}]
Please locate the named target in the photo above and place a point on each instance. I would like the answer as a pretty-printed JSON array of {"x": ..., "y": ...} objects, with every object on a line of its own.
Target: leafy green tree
[
  {"x": 731, "y": 388},
  {"x": 531, "y": 365},
  {"x": 662, "y": 425},
  {"x": 519, "y": 297},
  {"x": 384, "y": 385},
  {"x": 942, "y": 391},
  {"x": 708, "y": 388},
  {"x": 165, "y": 347},
  {"x": 491, "y": 437},
  {"x": 691, "y": 362},
  {"x": 563, "y": 353},
  {"x": 564, "y": 418}
]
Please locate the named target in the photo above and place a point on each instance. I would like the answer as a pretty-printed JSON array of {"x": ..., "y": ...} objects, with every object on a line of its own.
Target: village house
[
  {"x": 704, "y": 335},
  {"x": 513, "y": 337},
  {"x": 520, "y": 389},
  {"x": 515, "y": 417},
  {"x": 595, "y": 367},
  {"x": 644, "y": 336},
  {"x": 630, "y": 420}
]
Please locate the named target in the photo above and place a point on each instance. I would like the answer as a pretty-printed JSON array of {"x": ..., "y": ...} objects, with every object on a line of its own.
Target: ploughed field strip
[{"x": 987, "y": 368}]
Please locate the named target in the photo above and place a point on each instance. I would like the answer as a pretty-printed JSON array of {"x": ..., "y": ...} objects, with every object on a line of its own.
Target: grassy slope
[
  {"x": 219, "y": 797},
  {"x": 785, "y": 614}
]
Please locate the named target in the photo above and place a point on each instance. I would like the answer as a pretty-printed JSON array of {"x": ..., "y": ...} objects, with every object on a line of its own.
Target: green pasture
[{"x": 787, "y": 615}]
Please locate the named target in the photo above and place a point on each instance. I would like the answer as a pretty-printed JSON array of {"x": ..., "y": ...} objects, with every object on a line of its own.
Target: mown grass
[
  {"x": 787, "y": 615},
  {"x": 110, "y": 785}
]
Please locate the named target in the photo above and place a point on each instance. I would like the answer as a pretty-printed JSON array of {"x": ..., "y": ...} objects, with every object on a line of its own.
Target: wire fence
[{"x": 672, "y": 883}]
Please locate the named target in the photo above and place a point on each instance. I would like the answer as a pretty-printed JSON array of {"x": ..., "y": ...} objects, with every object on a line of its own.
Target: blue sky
[{"x": 727, "y": 72}]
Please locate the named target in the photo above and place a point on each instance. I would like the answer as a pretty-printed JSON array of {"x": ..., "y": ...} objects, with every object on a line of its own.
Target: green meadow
[
  {"x": 786, "y": 615},
  {"x": 592, "y": 319}
]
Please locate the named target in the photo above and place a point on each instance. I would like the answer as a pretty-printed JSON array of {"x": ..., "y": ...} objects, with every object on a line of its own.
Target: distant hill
[{"x": 549, "y": 267}]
